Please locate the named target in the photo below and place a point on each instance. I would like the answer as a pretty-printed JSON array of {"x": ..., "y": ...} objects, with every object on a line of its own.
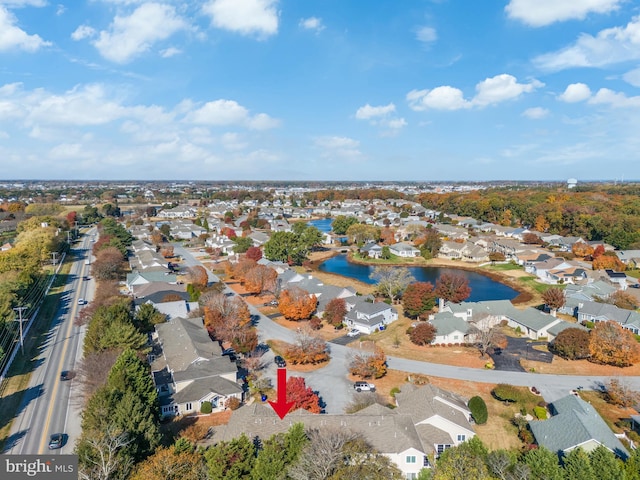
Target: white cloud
[
  {"x": 609, "y": 46},
  {"x": 632, "y": 77},
  {"x": 440, "y": 98},
  {"x": 426, "y": 34},
  {"x": 82, "y": 32},
  {"x": 576, "y": 92},
  {"x": 500, "y": 88},
  {"x": 615, "y": 99},
  {"x": 229, "y": 112},
  {"x": 538, "y": 13},
  {"x": 367, "y": 112},
  {"x": 535, "y": 113},
  {"x": 170, "y": 52},
  {"x": 244, "y": 16},
  {"x": 312, "y": 23},
  {"x": 396, "y": 123},
  {"x": 132, "y": 35},
  {"x": 489, "y": 91},
  {"x": 60, "y": 9},
  {"x": 342, "y": 147},
  {"x": 12, "y": 37},
  {"x": 23, "y": 3}
]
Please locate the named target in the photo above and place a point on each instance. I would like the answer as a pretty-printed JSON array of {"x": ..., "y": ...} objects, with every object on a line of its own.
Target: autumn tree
[
  {"x": 260, "y": 279},
  {"x": 392, "y": 281},
  {"x": 224, "y": 317},
  {"x": 387, "y": 236},
  {"x": 335, "y": 311},
  {"x": 371, "y": 365},
  {"x": 497, "y": 257},
  {"x": 429, "y": 243},
  {"x": 531, "y": 239},
  {"x": 571, "y": 343},
  {"x": 608, "y": 261},
  {"x": 307, "y": 348},
  {"x": 624, "y": 300},
  {"x": 253, "y": 253},
  {"x": 581, "y": 249},
  {"x": 554, "y": 298},
  {"x": 418, "y": 299},
  {"x": 297, "y": 304},
  {"x": 611, "y": 344},
  {"x": 359, "y": 233},
  {"x": 108, "y": 264},
  {"x": 598, "y": 251},
  {"x": 168, "y": 464},
  {"x": 423, "y": 333},
  {"x": 302, "y": 396},
  {"x": 197, "y": 276},
  {"x": 451, "y": 287},
  {"x": 620, "y": 393}
]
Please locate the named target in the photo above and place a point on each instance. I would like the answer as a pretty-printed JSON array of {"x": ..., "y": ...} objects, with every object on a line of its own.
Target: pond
[
  {"x": 322, "y": 224},
  {"x": 482, "y": 287}
]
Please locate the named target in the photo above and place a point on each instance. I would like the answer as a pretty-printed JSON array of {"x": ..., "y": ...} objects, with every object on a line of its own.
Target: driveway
[{"x": 508, "y": 359}]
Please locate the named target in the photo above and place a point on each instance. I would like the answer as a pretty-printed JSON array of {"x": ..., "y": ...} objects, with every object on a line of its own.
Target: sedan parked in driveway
[
  {"x": 353, "y": 333},
  {"x": 279, "y": 361}
]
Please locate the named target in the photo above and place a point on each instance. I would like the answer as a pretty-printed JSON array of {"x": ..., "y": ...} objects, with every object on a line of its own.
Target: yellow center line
[{"x": 54, "y": 392}]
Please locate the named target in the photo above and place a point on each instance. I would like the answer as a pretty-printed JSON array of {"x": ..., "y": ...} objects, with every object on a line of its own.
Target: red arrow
[{"x": 281, "y": 406}]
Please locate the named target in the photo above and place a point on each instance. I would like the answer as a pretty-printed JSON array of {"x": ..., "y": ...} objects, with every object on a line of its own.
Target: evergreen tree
[
  {"x": 606, "y": 465},
  {"x": 131, "y": 373},
  {"x": 231, "y": 460},
  {"x": 577, "y": 466},
  {"x": 467, "y": 460},
  {"x": 632, "y": 466},
  {"x": 543, "y": 464}
]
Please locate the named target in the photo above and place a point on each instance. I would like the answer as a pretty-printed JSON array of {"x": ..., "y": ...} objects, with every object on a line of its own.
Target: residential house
[
  {"x": 156, "y": 291},
  {"x": 368, "y": 317},
  {"x": 451, "y": 329},
  {"x": 189, "y": 369},
  {"x": 532, "y": 322},
  {"x": 181, "y": 211},
  {"x": 162, "y": 278},
  {"x": 372, "y": 250},
  {"x": 631, "y": 258},
  {"x": 603, "y": 312},
  {"x": 402, "y": 249},
  {"x": 425, "y": 423},
  {"x": 576, "y": 294},
  {"x": 575, "y": 424}
]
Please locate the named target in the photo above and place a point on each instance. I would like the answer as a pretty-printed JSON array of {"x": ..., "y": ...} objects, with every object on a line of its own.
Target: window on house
[
  {"x": 411, "y": 459},
  {"x": 188, "y": 406},
  {"x": 441, "y": 448},
  {"x": 411, "y": 476},
  {"x": 462, "y": 438}
]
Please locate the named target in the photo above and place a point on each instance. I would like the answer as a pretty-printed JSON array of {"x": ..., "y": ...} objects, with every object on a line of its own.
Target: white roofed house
[
  {"x": 368, "y": 317},
  {"x": 189, "y": 369},
  {"x": 403, "y": 249}
]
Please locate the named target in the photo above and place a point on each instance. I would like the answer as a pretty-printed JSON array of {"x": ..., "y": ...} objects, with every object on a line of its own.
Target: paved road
[
  {"x": 330, "y": 381},
  {"x": 50, "y": 405}
]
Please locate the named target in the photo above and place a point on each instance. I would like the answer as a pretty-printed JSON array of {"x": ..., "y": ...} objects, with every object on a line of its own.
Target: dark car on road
[
  {"x": 66, "y": 375},
  {"x": 55, "y": 441},
  {"x": 279, "y": 361}
]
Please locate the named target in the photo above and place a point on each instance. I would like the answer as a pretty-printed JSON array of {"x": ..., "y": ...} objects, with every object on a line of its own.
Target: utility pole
[
  {"x": 53, "y": 254},
  {"x": 19, "y": 310}
]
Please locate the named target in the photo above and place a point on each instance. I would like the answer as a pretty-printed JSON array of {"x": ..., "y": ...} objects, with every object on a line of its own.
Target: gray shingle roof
[
  {"x": 575, "y": 423},
  {"x": 184, "y": 340}
]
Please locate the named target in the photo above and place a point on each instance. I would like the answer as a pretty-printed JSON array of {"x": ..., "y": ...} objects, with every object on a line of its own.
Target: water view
[
  {"x": 482, "y": 288},
  {"x": 322, "y": 224}
]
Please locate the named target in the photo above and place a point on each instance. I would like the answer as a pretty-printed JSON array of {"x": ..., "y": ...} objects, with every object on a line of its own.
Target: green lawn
[
  {"x": 503, "y": 267},
  {"x": 536, "y": 285},
  {"x": 394, "y": 260}
]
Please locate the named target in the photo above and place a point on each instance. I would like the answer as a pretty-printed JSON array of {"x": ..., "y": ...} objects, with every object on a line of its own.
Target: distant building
[{"x": 572, "y": 182}]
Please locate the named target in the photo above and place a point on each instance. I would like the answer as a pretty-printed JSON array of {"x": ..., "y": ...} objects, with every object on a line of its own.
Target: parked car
[
  {"x": 353, "y": 333},
  {"x": 364, "y": 387},
  {"x": 279, "y": 361},
  {"x": 81, "y": 301},
  {"x": 55, "y": 441}
]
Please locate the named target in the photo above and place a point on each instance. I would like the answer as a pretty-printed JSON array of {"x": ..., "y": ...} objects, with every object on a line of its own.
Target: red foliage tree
[
  {"x": 297, "y": 304},
  {"x": 418, "y": 298},
  {"x": 571, "y": 343},
  {"x": 71, "y": 219},
  {"x": 423, "y": 334},
  {"x": 554, "y": 298},
  {"x": 335, "y": 311},
  {"x": 599, "y": 250},
  {"x": 452, "y": 288},
  {"x": 253, "y": 253},
  {"x": 302, "y": 396}
]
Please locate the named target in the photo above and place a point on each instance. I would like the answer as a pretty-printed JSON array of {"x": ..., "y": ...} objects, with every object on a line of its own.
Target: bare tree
[
  {"x": 321, "y": 457},
  {"x": 93, "y": 371},
  {"x": 488, "y": 336},
  {"x": 106, "y": 463},
  {"x": 392, "y": 281}
]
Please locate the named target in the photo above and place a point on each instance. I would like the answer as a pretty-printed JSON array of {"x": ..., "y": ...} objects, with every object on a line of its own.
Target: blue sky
[{"x": 425, "y": 90}]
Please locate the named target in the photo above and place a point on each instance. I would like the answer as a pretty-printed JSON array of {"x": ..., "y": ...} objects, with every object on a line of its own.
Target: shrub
[
  {"x": 206, "y": 407},
  {"x": 540, "y": 412},
  {"x": 393, "y": 391},
  {"x": 233, "y": 403},
  {"x": 315, "y": 323},
  {"x": 478, "y": 410},
  {"x": 506, "y": 393},
  {"x": 423, "y": 334}
]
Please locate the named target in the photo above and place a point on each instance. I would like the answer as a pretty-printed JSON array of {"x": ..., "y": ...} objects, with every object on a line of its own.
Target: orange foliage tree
[
  {"x": 606, "y": 261},
  {"x": 241, "y": 268},
  {"x": 169, "y": 463},
  {"x": 387, "y": 236},
  {"x": 297, "y": 304},
  {"x": 308, "y": 349},
  {"x": 581, "y": 249},
  {"x": 224, "y": 315},
  {"x": 367, "y": 366},
  {"x": 611, "y": 344},
  {"x": 260, "y": 279},
  {"x": 302, "y": 396}
]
